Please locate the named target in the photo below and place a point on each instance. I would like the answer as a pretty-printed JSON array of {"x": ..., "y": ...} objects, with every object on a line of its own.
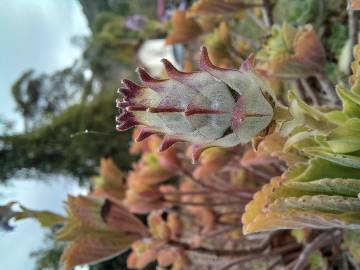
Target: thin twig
[
  {"x": 221, "y": 252},
  {"x": 256, "y": 19},
  {"x": 299, "y": 89},
  {"x": 209, "y": 187},
  {"x": 228, "y": 213},
  {"x": 309, "y": 92},
  {"x": 259, "y": 173},
  {"x": 267, "y": 13},
  {"x": 222, "y": 203},
  {"x": 320, "y": 241},
  {"x": 251, "y": 41},
  {"x": 271, "y": 253},
  {"x": 352, "y": 262},
  {"x": 184, "y": 193},
  {"x": 328, "y": 88},
  {"x": 274, "y": 264},
  {"x": 225, "y": 230}
]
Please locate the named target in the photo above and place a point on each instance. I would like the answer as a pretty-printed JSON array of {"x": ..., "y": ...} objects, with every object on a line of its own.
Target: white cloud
[{"x": 36, "y": 34}]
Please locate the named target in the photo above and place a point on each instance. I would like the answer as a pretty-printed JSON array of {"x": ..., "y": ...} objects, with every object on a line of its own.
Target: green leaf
[
  {"x": 337, "y": 117},
  {"x": 307, "y": 116},
  {"x": 345, "y": 139},
  {"x": 300, "y": 140},
  {"x": 321, "y": 203},
  {"x": 318, "y": 169},
  {"x": 341, "y": 159},
  {"x": 336, "y": 186},
  {"x": 350, "y": 100}
]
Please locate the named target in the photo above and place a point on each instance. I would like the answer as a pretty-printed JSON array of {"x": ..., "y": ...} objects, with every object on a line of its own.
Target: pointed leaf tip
[
  {"x": 145, "y": 76},
  {"x": 127, "y": 125},
  {"x": 122, "y": 104},
  {"x": 130, "y": 89},
  {"x": 171, "y": 70},
  {"x": 131, "y": 85},
  {"x": 167, "y": 143},
  {"x": 125, "y": 116},
  {"x": 205, "y": 62},
  {"x": 145, "y": 133},
  {"x": 127, "y": 93}
]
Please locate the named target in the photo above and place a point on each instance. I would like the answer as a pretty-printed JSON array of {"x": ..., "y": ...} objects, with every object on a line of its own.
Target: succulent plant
[
  {"x": 323, "y": 191},
  {"x": 211, "y": 107}
]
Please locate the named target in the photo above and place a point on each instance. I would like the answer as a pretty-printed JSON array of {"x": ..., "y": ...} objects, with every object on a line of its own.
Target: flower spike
[{"x": 211, "y": 107}]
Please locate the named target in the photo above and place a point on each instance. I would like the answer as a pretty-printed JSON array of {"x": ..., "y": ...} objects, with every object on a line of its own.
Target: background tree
[{"x": 64, "y": 146}]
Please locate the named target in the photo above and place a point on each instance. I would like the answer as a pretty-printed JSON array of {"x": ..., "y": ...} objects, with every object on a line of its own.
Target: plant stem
[
  {"x": 309, "y": 92},
  {"x": 220, "y": 252},
  {"x": 267, "y": 13},
  {"x": 271, "y": 253},
  {"x": 209, "y": 187},
  {"x": 227, "y": 229},
  {"x": 320, "y": 241},
  {"x": 256, "y": 19},
  {"x": 222, "y": 203},
  {"x": 328, "y": 88},
  {"x": 185, "y": 193}
]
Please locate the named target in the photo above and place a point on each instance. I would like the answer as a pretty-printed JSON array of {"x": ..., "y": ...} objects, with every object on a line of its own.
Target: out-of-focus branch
[
  {"x": 320, "y": 241},
  {"x": 226, "y": 192},
  {"x": 310, "y": 92},
  {"x": 227, "y": 252},
  {"x": 258, "y": 21},
  {"x": 267, "y": 13},
  {"x": 328, "y": 88},
  {"x": 272, "y": 253},
  {"x": 353, "y": 22}
]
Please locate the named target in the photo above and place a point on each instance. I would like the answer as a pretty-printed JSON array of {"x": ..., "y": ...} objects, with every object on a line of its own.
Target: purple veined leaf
[{"x": 211, "y": 107}]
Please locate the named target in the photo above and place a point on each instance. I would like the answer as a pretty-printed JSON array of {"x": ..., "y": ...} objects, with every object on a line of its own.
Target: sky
[
  {"x": 34, "y": 34},
  {"x": 28, "y": 236}
]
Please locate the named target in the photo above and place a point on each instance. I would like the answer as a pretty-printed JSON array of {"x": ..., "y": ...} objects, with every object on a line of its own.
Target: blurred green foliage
[
  {"x": 62, "y": 146},
  {"x": 48, "y": 257}
]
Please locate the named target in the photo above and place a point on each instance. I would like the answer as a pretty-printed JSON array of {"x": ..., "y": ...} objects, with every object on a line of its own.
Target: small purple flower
[{"x": 135, "y": 22}]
